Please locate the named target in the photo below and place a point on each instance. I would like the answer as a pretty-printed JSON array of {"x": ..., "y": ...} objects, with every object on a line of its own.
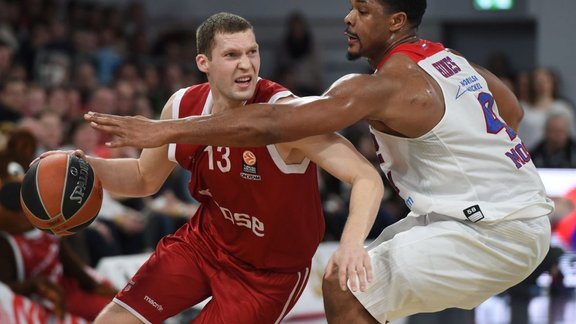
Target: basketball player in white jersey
[{"x": 445, "y": 134}]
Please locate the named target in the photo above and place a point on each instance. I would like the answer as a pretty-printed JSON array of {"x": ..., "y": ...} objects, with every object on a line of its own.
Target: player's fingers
[
  {"x": 361, "y": 277},
  {"x": 117, "y": 142},
  {"x": 353, "y": 277},
  {"x": 79, "y": 153},
  {"x": 110, "y": 129},
  {"x": 101, "y": 119},
  {"x": 369, "y": 269},
  {"x": 343, "y": 278}
]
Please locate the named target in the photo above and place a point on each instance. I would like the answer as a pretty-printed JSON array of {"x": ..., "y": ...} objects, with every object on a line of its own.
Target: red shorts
[{"x": 185, "y": 270}]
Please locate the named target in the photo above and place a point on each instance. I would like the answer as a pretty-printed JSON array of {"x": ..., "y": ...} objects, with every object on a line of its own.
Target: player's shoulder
[
  {"x": 196, "y": 89},
  {"x": 269, "y": 91},
  {"x": 266, "y": 85},
  {"x": 362, "y": 86}
]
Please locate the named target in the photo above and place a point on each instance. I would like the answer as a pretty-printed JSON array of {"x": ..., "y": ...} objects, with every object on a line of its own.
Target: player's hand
[
  {"x": 351, "y": 262},
  {"x": 78, "y": 153},
  {"x": 53, "y": 294},
  {"x": 136, "y": 131}
]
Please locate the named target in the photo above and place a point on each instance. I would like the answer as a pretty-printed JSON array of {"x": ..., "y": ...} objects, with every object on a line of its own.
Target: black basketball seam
[
  {"x": 39, "y": 192},
  {"x": 63, "y": 195},
  {"x": 88, "y": 196}
]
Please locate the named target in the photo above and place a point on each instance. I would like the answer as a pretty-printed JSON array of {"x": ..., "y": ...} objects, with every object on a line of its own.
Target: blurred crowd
[{"x": 60, "y": 59}]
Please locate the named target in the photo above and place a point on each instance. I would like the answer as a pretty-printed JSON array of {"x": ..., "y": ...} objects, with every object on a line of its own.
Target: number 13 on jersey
[{"x": 222, "y": 157}]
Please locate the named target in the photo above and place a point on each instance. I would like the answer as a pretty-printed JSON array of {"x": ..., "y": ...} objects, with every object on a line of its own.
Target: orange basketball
[{"x": 61, "y": 194}]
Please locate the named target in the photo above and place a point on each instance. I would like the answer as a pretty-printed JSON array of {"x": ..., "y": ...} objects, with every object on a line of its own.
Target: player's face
[
  {"x": 234, "y": 66},
  {"x": 366, "y": 29}
]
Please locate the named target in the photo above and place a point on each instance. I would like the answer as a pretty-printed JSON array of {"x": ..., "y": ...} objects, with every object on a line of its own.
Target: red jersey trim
[{"x": 415, "y": 51}]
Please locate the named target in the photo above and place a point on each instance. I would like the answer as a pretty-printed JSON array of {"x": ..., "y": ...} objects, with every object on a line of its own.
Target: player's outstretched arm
[
  {"x": 338, "y": 157},
  {"x": 259, "y": 124}
]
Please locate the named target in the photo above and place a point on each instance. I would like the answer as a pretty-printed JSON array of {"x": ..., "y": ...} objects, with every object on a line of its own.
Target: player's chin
[
  {"x": 352, "y": 55},
  {"x": 243, "y": 94}
]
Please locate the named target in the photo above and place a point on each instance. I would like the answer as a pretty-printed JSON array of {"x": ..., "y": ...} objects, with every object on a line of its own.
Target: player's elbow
[
  {"x": 149, "y": 189},
  {"x": 371, "y": 180}
]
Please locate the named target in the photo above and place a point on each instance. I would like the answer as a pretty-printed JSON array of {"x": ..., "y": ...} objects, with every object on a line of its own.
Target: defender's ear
[
  {"x": 202, "y": 62},
  {"x": 397, "y": 21}
]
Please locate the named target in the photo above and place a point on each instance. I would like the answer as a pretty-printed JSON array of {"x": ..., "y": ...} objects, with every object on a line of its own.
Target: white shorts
[{"x": 449, "y": 263}]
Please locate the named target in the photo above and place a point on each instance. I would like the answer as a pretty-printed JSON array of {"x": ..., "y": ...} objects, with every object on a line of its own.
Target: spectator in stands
[
  {"x": 545, "y": 100},
  {"x": 298, "y": 56},
  {"x": 52, "y": 131},
  {"x": 36, "y": 101},
  {"x": 558, "y": 148},
  {"x": 6, "y": 56},
  {"x": 523, "y": 87},
  {"x": 102, "y": 99},
  {"x": 12, "y": 99}
]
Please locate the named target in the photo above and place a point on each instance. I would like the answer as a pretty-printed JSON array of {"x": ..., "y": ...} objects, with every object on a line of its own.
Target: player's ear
[
  {"x": 202, "y": 62},
  {"x": 397, "y": 21}
]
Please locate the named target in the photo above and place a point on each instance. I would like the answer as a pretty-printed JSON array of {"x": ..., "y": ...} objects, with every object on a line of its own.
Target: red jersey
[
  {"x": 37, "y": 254},
  {"x": 253, "y": 205}
]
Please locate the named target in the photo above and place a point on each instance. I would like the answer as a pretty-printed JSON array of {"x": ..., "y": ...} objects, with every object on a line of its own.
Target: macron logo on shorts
[{"x": 153, "y": 303}]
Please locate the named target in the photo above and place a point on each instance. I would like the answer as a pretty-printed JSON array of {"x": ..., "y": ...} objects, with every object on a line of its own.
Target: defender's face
[
  {"x": 234, "y": 66},
  {"x": 367, "y": 29}
]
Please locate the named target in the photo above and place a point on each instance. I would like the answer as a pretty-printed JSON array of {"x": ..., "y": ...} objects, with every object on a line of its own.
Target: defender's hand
[{"x": 136, "y": 131}]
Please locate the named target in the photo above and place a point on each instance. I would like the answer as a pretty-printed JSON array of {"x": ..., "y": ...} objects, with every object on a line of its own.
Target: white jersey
[{"x": 471, "y": 165}]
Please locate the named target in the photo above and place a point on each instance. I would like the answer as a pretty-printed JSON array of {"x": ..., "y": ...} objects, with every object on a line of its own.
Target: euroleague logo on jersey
[
  {"x": 249, "y": 158},
  {"x": 249, "y": 169}
]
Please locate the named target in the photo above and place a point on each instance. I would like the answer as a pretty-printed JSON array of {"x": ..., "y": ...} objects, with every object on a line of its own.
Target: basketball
[{"x": 61, "y": 194}]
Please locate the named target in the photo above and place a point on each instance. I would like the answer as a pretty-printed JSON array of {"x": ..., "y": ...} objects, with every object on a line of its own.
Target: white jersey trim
[
  {"x": 131, "y": 310},
  {"x": 280, "y": 95},
  {"x": 175, "y": 114},
  {"x": 292, "y": 296},
  {"x": 298, "y": 168},
  {"x": 281, "y": 164}
]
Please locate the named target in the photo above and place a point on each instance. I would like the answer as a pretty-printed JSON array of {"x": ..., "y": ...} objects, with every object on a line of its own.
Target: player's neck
[
  {"x": 221, "y": 103},
  {"x": 408, "y": 38}
]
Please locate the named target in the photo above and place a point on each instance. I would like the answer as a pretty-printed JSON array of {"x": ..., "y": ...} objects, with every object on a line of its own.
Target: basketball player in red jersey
[
  {"x": 445, "y": 135},
  {"x": 250, "y": 244}
]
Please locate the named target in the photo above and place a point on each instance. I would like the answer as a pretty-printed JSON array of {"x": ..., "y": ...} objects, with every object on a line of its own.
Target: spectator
[
  {"x": 558, "y": 148},
  {"x": 297, "y": 55},
  {"x": 52, "y": 131},
  {"x": 36, "y": 101},
  {"x": 6, "y": 56},
  {"x": 12, "y": 99},
  {"x": 545, "y": 100}
]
